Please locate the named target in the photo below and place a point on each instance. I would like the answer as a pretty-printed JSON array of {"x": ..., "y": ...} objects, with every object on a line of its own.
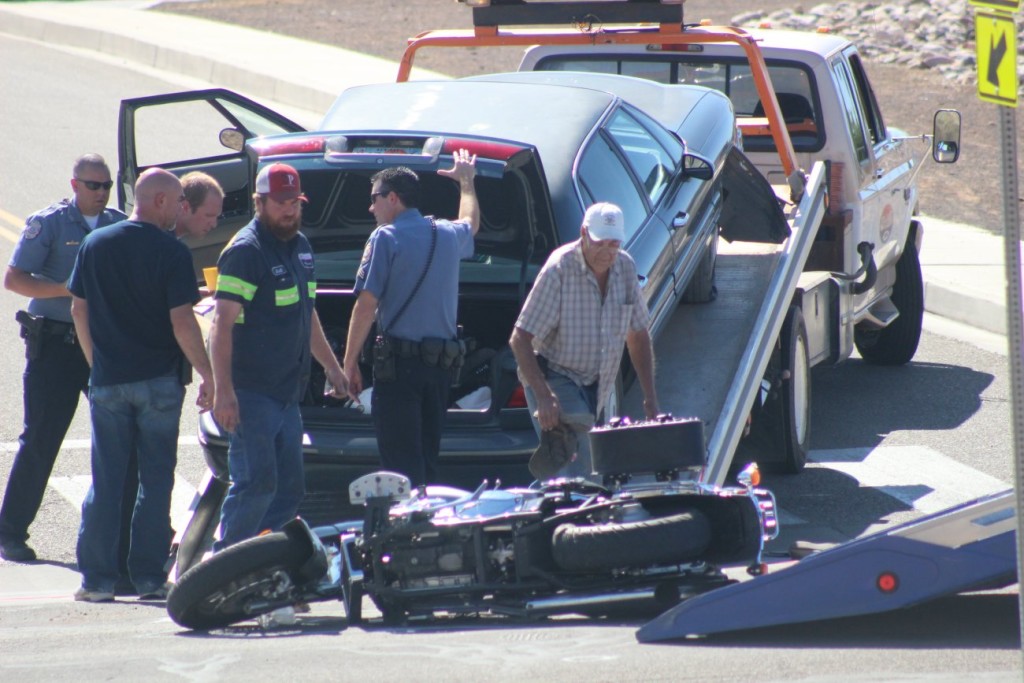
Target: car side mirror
[
  {"x": 697, "y": 167},
  {"x": 232, "y": 138},
  {"x": 946, "y": 136}
]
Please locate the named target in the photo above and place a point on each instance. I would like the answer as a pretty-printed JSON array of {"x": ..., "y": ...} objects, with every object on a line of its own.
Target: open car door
[{"x": 201, "y": 130}]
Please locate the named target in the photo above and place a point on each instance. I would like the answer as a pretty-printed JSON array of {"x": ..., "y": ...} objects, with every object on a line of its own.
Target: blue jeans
[
  {"x": 265, "y": 462},
  {"x": 141, "y": 416},
  {"x": 573, "y": 399}
]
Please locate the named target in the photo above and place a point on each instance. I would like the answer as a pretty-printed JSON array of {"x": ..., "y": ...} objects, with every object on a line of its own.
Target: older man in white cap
[{"x": 585, "y": 305}]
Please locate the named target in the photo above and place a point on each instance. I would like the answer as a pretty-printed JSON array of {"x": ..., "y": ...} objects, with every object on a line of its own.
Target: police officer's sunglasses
[{"x": 96, "y": 184}]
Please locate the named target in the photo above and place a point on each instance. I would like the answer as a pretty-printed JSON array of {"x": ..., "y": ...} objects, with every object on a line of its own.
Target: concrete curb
[{"x": 300, "y": 74}]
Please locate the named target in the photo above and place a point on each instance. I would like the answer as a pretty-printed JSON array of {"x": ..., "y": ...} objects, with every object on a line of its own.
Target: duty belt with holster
[
  {"x": 35, "y": 329},
  {"x": 433, "y": 352}
]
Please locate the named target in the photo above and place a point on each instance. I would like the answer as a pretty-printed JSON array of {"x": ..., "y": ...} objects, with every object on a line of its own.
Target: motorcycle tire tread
[
  {"x": 674, "y": 539},
  {"x": 186, "y": 602}
]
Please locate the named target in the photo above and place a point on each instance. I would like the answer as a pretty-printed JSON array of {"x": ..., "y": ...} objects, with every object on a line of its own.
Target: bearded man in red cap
[{"x": 264, "y": 329}]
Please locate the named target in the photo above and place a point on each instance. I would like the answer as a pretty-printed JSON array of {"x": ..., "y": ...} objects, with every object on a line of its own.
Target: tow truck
[{"x": 847, "y": 277}]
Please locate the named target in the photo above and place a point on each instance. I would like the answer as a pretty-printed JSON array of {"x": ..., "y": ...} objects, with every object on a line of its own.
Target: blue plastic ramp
[{"x": 966, "y": 547}]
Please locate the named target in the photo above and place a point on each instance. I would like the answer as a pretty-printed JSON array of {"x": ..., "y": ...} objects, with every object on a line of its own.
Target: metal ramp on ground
[{"x": 967, "y": 547}]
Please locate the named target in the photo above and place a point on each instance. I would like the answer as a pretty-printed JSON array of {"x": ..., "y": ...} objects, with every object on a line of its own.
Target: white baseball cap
[{"x": 604, "y": 221}]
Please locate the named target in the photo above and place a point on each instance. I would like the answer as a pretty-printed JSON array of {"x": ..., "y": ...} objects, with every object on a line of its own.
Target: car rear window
[{"x": 338, "y": 221}]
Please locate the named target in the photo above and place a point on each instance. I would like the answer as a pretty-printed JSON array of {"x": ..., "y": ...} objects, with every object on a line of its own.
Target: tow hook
[{"x": 868, "y": 269}]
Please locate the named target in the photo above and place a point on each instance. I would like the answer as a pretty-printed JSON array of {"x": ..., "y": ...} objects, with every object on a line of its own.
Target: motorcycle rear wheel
[
  {"x": 221, "y": 591},
  {"x": 675, "y": 539}
]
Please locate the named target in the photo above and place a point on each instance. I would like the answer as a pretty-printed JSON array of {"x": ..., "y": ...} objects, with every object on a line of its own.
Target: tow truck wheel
[
  {"x": 796, "y": 393},
  {"x": 783, "y": 426},
  {"x": 897, "y": 343}
]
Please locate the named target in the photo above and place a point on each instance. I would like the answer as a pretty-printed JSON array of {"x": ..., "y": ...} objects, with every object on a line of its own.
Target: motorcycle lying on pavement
[{"x": 641, "y": 542}]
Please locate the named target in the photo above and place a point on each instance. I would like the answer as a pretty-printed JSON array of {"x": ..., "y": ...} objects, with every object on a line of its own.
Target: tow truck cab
[{"x": 831, "y": 114}]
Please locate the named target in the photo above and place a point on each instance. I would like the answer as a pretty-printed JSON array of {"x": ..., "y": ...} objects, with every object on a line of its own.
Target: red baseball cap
[{"x": 280, "y": 182}]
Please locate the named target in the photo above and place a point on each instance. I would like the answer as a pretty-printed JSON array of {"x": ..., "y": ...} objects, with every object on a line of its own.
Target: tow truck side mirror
[{"x": 946, "y": 136}]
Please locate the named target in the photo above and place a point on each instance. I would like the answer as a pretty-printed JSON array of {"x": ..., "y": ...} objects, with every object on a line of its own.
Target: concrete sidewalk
[{"x": 963, "y": 266}]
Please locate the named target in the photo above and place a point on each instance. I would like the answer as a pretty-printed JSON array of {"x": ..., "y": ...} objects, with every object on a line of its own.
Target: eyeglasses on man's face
[
  {"x": 382, "y": 193},
  {"x": 96, "y": 184}
]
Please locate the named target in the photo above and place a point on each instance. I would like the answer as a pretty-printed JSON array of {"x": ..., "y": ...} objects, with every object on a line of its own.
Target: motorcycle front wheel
[{"x": 241, "y": 582}]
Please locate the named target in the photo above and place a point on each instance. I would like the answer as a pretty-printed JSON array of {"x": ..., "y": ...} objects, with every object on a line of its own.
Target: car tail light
[
  {"x": 282, "y": 146},
  {"x": 498, "y": 151},
  {"x": 518, "y": 398}
]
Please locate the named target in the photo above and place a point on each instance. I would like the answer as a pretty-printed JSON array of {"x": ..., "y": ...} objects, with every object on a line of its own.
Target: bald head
[{"x": 157, "y": 198}]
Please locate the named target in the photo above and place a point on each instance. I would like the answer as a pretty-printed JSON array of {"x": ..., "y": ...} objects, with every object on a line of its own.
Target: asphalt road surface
[{"x": 889, "y": 445}]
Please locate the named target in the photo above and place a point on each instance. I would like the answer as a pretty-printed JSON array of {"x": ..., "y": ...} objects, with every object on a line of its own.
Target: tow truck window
[
  {"x": 872, "y": 112},
  {"x": 851, "y": 111},
  {"x": 731, "y": 77}
]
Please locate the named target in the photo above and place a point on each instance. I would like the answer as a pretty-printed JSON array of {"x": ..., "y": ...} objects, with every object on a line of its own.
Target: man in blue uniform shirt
[
  {"x": 56, "y": 372},
  {"x": 264, "y": 329},
  {"x": 409, "y": 281}
]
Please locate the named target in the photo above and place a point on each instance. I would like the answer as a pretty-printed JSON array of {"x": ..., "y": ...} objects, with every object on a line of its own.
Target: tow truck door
[
  {"x": 202, "y": 130},
  {"x": 885, "y": 163}
]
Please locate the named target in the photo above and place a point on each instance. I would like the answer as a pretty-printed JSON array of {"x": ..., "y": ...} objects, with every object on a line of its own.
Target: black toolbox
[{"x": 661, "y": 445}]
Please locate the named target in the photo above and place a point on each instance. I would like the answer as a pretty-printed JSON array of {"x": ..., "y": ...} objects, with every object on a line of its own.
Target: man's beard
[{"x": 283, "y": 230}]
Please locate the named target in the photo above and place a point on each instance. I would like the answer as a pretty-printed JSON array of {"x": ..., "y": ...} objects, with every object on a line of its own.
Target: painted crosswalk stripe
[
  {"x": 917, "y": 476},
  {"x": 85, "y": 444},
  {"x": 74, "y": 490}
]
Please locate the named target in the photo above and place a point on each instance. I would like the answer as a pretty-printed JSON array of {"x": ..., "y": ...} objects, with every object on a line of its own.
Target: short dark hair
[
  {"x": 402, "y": 181},
  {"x": 196, "y": 186}
]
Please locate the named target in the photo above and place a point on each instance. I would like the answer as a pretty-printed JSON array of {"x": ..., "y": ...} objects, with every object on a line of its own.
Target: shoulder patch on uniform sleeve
[
  {"x": 32, "y": 229},
  {"x": 364, "y": 264}
]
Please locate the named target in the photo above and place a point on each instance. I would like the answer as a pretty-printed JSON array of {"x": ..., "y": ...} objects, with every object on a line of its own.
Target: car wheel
[
  {"x": 701, "y": 288},
  {"x": 897, "y": 343},
  {"x": 676, "y": 539}
]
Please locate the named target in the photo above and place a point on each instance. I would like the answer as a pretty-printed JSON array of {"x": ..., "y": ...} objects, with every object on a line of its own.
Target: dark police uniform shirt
[
  {"x": 48, "y": 246},
  {"x": 394, "y": 260},
  {"x": 132, "y": 274},
  {"x": 276, "y": 285}
]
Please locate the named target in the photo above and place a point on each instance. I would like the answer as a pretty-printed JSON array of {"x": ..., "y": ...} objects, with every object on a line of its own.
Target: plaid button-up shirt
[{"x": 581, "y": 336}]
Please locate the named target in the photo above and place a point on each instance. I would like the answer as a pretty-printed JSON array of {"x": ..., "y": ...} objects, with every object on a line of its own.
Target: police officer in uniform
[
  {"x": 56, "y": 372},
  {"x": 409, "y": 281}
]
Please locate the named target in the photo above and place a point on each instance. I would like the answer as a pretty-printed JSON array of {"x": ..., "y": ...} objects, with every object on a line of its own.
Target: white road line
[
  {"x": 920, "y": 477},
  {"x": 85, "y": 444},
  {"x": 74, "y": 489}
]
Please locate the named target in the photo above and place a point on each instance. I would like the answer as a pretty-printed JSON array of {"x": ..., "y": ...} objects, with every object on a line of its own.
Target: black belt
[
  {"x": 433, "y": 352},
  {"x": 56, "y": 327}
]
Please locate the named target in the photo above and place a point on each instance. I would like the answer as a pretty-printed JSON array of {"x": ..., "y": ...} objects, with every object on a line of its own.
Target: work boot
[{"x": 17, "y": 551}]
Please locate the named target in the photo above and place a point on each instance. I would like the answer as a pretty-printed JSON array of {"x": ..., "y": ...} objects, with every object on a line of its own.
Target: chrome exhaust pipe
[{"x": 560, "y": 604}]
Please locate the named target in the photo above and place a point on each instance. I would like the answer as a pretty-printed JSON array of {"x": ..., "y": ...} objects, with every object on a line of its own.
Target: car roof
[
  {"x": 555, "y": 119},
  {"x": 669, "y": 105}
]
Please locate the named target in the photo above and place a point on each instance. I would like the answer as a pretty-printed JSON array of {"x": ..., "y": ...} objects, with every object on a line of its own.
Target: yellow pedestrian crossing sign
[{"x": 996, "y": 37}]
